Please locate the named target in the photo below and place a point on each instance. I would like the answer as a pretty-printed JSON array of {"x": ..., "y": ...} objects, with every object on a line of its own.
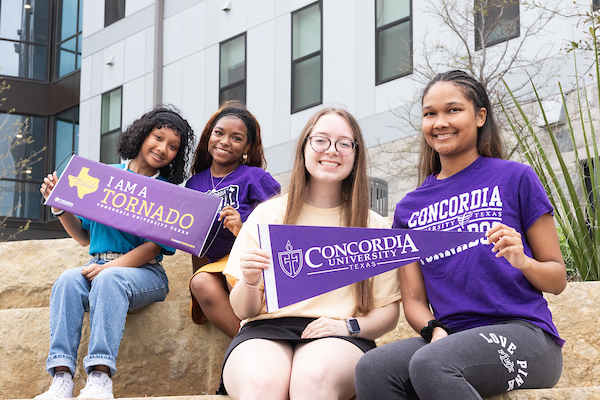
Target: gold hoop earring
[{"x": 244, "y": 158}]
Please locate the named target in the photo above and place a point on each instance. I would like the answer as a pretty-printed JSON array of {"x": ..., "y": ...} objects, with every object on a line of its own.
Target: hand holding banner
[
  {"x": 155, "y": 210},
  {"x": 307, "y": 261}
]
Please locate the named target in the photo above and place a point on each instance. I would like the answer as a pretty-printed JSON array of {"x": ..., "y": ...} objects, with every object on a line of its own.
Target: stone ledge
[
  {"x": 577, "y": 393},
  {"x": 26, "y": 279},
  {"x": 162, "y": 353},
  {"x": 592, "y": 393}
]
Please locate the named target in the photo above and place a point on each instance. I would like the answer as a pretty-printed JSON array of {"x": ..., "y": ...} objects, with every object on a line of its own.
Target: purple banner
[
  {"x": 155, "y": 210},
  {"x": 307, "y": 261}
]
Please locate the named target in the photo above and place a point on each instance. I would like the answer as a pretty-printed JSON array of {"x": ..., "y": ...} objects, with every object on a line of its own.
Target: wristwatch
[{"x": 353, "y": 326}]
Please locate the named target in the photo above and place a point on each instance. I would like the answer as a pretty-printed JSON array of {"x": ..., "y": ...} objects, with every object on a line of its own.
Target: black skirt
[{"x": 289, "y": 330}]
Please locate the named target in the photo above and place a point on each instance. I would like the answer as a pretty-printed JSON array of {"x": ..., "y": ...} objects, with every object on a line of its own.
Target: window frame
[
  {"x": 479, "y": 22},
  {"x": 107, "y": 4},
  {"x": 75, "y": 113},
  {"x": 306, "y": 57},
  {"x": 378, "y": 196},
  {"x": 57, "y": 42},
  {"x": 240, "y": 82},
  {"x": 48, "y": 45},
  {"x": 379, "y": 30},
  {"x": 115, "y": 130},
  {"x": 39, "y": 157}
]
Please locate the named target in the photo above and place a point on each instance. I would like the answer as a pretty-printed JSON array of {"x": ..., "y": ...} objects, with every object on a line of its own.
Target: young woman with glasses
[{"x": 309, "y": 349}]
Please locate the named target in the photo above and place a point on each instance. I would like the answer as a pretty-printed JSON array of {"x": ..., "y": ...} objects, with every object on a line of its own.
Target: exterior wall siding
[{"x": 122, "y": 55}]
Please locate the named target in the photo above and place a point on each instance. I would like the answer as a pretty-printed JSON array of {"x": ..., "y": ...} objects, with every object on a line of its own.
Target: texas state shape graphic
[{"x": 85, "y": 183}]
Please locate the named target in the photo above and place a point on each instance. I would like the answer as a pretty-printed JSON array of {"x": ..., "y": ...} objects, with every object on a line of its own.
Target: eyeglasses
[{"x": 321, "y": 144}]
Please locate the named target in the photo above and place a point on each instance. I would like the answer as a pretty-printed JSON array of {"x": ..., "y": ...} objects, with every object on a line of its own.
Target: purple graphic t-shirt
[
  {"x": 243, "y": 189},
  {"x": 468, "y": 286}
]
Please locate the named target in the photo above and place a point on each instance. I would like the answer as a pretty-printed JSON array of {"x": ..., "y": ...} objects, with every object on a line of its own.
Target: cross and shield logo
[{"x": 290, "y": 260}]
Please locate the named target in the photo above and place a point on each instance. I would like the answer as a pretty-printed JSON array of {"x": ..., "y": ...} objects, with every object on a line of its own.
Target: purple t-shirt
[
  {"x": 242, "y": 189},
  {"x": 468, "y": 286}
]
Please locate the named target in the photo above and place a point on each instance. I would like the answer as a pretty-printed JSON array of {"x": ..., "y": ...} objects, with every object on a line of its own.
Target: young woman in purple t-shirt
[
  {"x": 228, "y": 163},
  {"x": 485, "y": 326}
]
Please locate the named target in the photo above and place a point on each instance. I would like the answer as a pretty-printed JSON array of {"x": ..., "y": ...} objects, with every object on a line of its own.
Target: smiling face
[
  {"x": 330, "y": 166},
  {"x": 227, "y": 143},
  {"x": 158, "y": 150},
  {"x": 450, "y": 122}
]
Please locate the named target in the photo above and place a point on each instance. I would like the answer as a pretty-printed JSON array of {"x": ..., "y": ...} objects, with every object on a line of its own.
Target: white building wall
[
  {"x": 193, "y": 30},
  {"x": 261, "y": 88}
]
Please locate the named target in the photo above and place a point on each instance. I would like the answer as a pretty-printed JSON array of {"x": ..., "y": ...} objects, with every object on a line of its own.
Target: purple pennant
[
  {"x": 149, "y": 208},
  {"x": 307, "y": 261}
]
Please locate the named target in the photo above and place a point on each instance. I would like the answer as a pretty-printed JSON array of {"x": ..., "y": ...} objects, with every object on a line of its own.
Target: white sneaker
[
  {"x": 61, "y": 388},
  {"x": 98, "y": 386}
]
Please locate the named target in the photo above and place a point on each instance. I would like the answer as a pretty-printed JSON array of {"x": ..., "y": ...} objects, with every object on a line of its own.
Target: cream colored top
[{"x": 338, "y": 303}]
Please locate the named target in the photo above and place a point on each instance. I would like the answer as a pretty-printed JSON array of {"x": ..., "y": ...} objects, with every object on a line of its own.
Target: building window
[
  {"x": 21, "y": 165},
  {"x": 66, "y": 136},
  {"x": 232, "y": 71},
  {"x": 496, "y": 21},
  {"x": 378, "y": 196},
  {"x": 114, "y": 10},
  {"x": 111, "y": 126},
  {"x": 68, "y": 48},
  {"x": 307, "y": 57},
  {"x": 596, "y": 4},
  {"x": 24, "y": 38},
  {"x": 393, "y": 39}
]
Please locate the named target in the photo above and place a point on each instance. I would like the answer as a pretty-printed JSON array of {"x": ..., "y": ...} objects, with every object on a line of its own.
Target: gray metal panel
[
  {"x": 383, "y": 128},
  {"x": 280, "y": 158},
  {"x": 119, "y": 30}
]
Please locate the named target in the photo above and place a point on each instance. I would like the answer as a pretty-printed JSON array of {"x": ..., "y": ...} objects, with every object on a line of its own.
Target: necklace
[
  {"x": 128, "y": 162},
  {"x": 212, "y": 181}
]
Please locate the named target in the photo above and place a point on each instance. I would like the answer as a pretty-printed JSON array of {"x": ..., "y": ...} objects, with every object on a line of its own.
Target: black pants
[{"x": 472, "y": 364}]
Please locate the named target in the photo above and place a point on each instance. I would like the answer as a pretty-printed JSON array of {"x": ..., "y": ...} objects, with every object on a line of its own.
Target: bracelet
[
  {"x": 253, "y": 285},
  {"x": 427, "y": 331},
  {"x": 56, "y": 213}
]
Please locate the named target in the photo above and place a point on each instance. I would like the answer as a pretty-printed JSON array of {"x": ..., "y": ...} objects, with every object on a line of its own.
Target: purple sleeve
[
  {"x": 396, "y": 224},
  {"x": 264, "y": 189},
  {"x": 533, "y": 200}
]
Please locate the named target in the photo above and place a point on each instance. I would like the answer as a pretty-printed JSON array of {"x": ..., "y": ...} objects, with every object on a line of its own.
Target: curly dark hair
[
  {"x": 130, "y": 141},
  {"x": 255, "y": 155}
]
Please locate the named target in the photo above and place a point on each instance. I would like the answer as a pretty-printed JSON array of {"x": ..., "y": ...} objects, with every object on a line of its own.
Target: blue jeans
[{"x": 108, "y": 298}]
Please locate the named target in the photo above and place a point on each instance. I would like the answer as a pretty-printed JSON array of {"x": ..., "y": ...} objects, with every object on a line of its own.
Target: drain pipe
[{"x": 159, "y": 17}]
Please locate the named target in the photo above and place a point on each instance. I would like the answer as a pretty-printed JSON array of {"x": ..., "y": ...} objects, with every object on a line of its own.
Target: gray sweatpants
[{"x": 476, "y": 363}]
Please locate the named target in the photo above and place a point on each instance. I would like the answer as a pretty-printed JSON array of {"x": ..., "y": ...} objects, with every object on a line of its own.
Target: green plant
[
  {"x": 576, "y": 211},
  {"x": 572, "y": 272}
]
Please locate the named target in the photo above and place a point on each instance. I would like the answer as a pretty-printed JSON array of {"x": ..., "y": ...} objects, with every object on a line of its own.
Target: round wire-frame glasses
[{"x": 321, "y": 144}]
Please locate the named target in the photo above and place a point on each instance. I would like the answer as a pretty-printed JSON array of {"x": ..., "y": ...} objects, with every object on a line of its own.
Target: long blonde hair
[{"x": 355, "y": 192}]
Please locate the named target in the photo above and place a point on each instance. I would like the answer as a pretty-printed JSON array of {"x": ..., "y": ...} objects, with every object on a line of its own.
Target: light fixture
[
  {"x": 19, "y": 135},
  {"x": 28, "y": 171},
  {"x": 226, "y": 6},
  {"x": 27, "y": 5}
]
